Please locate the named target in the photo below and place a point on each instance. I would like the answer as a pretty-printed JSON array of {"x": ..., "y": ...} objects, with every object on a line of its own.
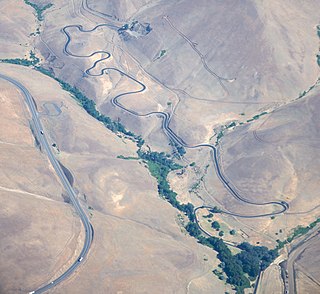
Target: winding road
[
  {"x": 38, "y": 129},
  {"x": 172, "y": 136},
  {"x": 166, "y": 118}
]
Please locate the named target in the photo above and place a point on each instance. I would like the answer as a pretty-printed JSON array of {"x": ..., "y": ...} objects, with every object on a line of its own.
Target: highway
[{"x": 40, "y": 133}]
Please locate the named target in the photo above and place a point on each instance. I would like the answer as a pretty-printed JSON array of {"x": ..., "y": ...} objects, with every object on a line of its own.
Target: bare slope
[
  {"x": 39, "y": 233},
  {"x": 277, "y": 158},
  {"x": 138, "y": 244}
]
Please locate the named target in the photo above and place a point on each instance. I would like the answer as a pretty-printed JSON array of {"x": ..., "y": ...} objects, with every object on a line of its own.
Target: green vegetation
[
  {"x": 193, "y": 230},
  {"x": 210, "y": 215},
  {"x": 90, "y": 107},
  {"x": 304, "y": 93},
  {"x": 219, "y": 136},
  {"x": 232, "y": 232},
  {"x": 19, "y": 61},
  {"x": 229, "y": 263},
  {"x": 192, "y": 164},
  {"x": 159, "y": 165},
  {"x": 38, "y": 9},
  {"x": 249, "y": 261},
  {"x": 255, "y": 258},
  {"x": 128, "y": 157},
  {"x": 318, "y": 55},
  {"x": 297, "y": 232},
  {"x": 223, "y": 129},
  {"x": 231, "y": 125},
  {"x": 37, "y": 32},
  {"x": 219, "y": 274},
  {"x": 236, "y": 267},
  {"x": 215, "y": 209},
  {"x": 215, "y": 225},
  {"x": 162, "y": 53},
  {"x": 180, "y": 149},
  {"x": 25, "y": 62},
  {"x": 195, "y": 187},
  {"x": 257, "y": 116},
  {"x": 221, "y": 233},
  {"x": 88, "y": 104}
]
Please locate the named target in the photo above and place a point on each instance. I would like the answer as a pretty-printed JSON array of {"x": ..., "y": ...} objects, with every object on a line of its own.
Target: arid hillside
[{"x": 227, "y": 93}]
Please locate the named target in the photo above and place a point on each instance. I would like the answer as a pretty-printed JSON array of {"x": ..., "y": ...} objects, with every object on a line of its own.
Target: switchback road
[{"x": 166, "y": 118}]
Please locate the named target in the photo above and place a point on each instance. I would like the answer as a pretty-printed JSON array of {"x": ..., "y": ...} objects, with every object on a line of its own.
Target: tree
[
  {"x": 215, "y": 225},
  {"x": 193, "y": 229},
  {"x": 215, "y": 209}
]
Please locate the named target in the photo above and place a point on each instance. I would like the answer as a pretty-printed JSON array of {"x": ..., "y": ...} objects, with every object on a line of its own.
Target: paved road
[
  {"x": 72, "y": 194},
  {"x": 166, "y": 118},
  {"x": 294, "y": 255}
]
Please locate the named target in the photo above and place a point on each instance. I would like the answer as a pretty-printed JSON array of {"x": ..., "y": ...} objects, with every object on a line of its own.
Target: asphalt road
[
  {"x": 40, "y": 133},
  {"x": 294, "y": 255},
  {"x": 166, "y": 118}
]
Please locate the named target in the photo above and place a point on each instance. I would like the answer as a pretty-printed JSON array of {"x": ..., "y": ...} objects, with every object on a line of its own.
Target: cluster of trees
[
  {"x": 255, "y": 258},
  {"x": 215, "y": 225},
  {"x": 193, "y": 229},
  {"x": 298, "y": 231},
  {"x": 90, "y": 107},
  {"x": 19, "y": 61},
  {"x": 249, "y": 261},
  {"x": 215, "y": 209},
  {"x": 88, "y": 104},
  {"x": 257, "y": 116},
  {"x": 229, "y": 263},
  {"x": 25, "y": 62},
  {"x": 38, "y": 9},
  {"x": 162, "y": 159},
  {"x": 160, "y": 164},
  {"x": 180, "y": 149}
]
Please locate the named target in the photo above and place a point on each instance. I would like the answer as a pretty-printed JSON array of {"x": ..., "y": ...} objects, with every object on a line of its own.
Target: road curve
[
  {"x": 283, "y": 206},
  {"x": 72, "y": 194}
]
